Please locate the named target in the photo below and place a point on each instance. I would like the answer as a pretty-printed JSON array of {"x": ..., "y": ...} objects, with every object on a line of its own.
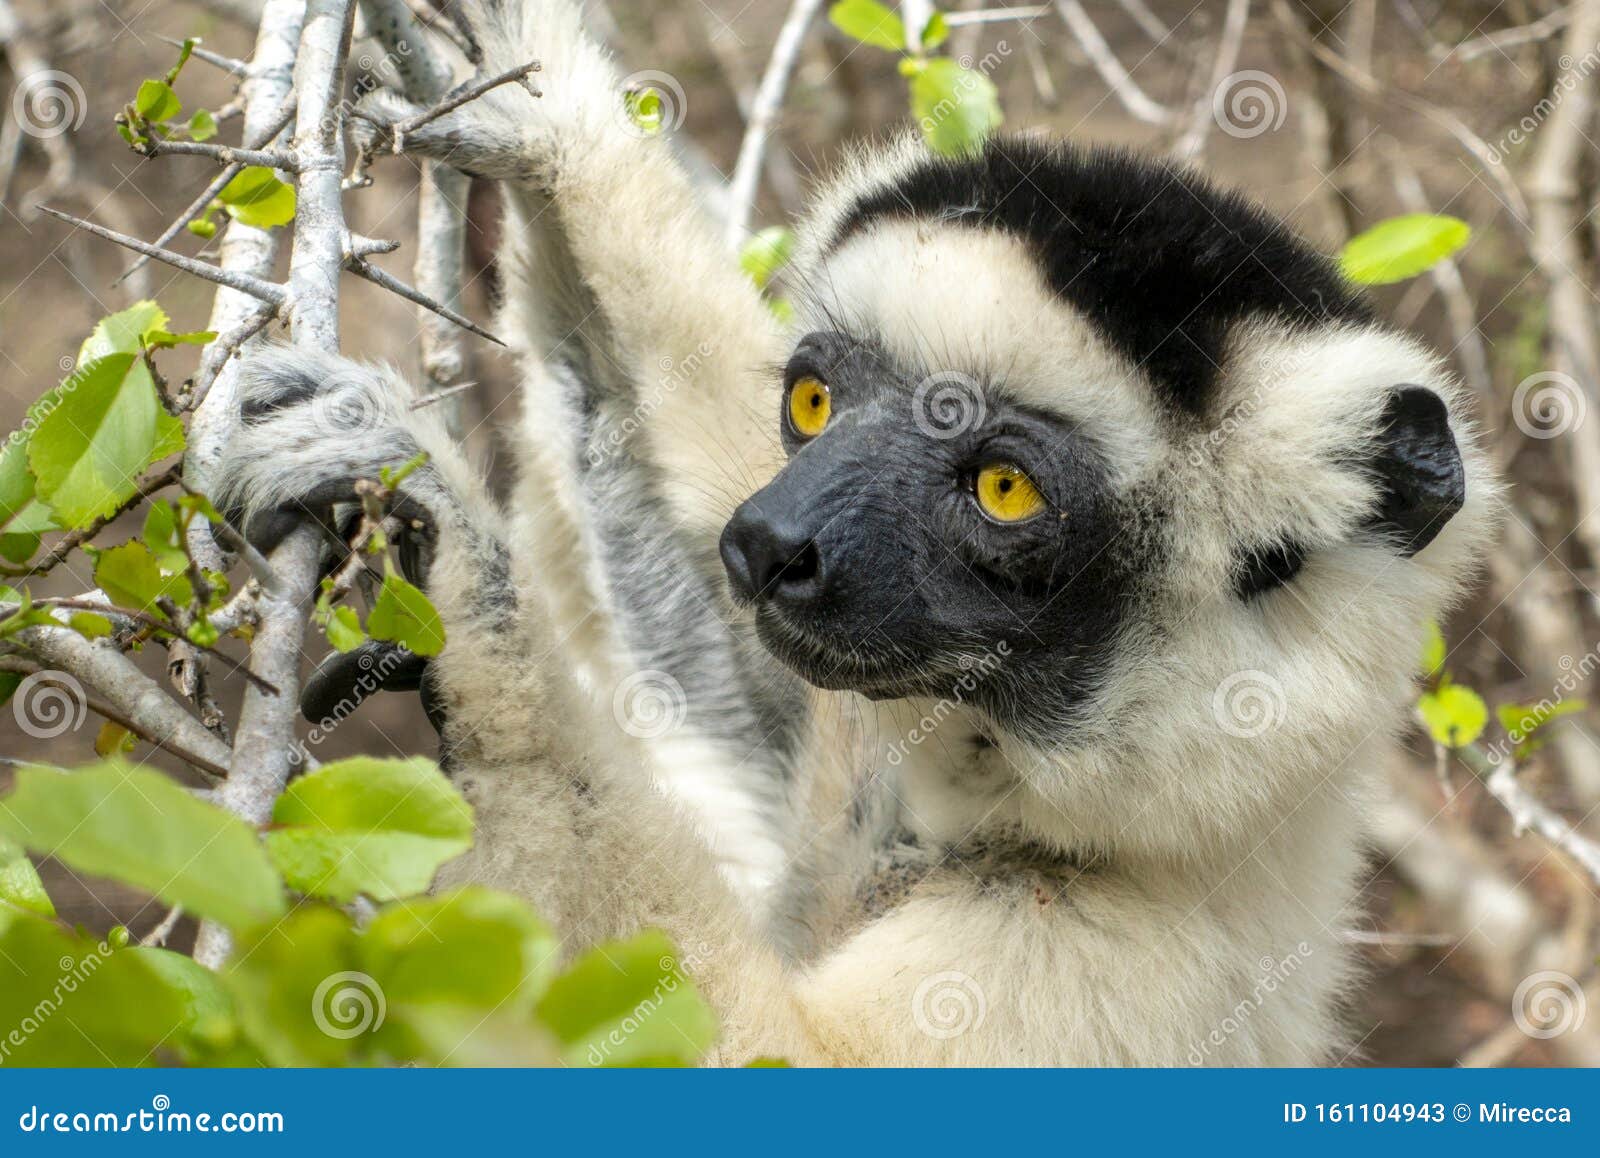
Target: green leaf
[
  {"x": 19, "y": 880},
  {"x": 87, "y": 453},
  {"x": 132, "y": 577},
  {"x": 163, "y": 535},
  {"x": 628, "y": 1003},
  {"x": 202, "y": 126},
  {"x": 935, "y": 32},
  {"x": 957, "y": 107},
  {"x": 869, "y": 22},
  {"x": 366, "y": 826},
  {"x": 206, "y": 1013},
  {"x": 137, "y": 826},
  {"x": 644, "y": 109},
  {"x": 89, "y": 625},
  {"x": 302, "y": 990},
  {"x": 71, "y": 1001},
  {"x": 256, "y": 197},
  {"x": 403, "y": 615},
  {"x": 122, "y": 332},
  {"x": 162, "y": 340},
  {"x": 1402, "y": 247},
  {"x": 767, "y": 252},
  {"x": 472, "y": 947},
  {"x": 1455, "y": 714},
  {"x": 1433, "y": 650},
  {"x": 156, "y": 101},
  {"x": 1523, "y": 721},
  {"x": 343, "y": 629}
]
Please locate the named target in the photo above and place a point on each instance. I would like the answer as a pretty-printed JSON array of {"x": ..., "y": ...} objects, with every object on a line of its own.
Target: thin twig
[
  {"x": 200, "y": 204},
  {"x": 154, "y": 624},
  {"x": 223, "y": 154},
  {"x": 127, "y": 689},
  {"x": 76, "y": 538},
  {"x": 245, "y": 283},
  {"x": 226, "y": 63},
  {"x": 1133, "y": 98},
  {"x": 763, "y": 115},
  {"x": 378, "y": 277},
  {"x": 1497, "y": 42},
  {"x": 1202, "y": 117},
  {"x": 100, "y": 708},
  {"x": 468, "y": 93},
  {"x": 157, "y": 937}
]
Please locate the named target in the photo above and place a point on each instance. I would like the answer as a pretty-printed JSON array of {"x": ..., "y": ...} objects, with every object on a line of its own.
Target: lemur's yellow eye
[
  {"x": 1006, "y": 494},
  {"x": 809, "y": 406}
]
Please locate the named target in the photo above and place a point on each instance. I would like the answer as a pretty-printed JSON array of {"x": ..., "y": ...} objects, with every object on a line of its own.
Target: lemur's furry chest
[{"x": 1004, "y": 866}]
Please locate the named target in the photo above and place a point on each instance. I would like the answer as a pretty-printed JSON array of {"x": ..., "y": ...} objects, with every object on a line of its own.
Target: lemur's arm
[{"x": 649, "y": 406}]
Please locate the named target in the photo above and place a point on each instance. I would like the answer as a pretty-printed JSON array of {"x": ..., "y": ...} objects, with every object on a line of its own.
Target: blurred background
[{"x": 1335, "y": 114}]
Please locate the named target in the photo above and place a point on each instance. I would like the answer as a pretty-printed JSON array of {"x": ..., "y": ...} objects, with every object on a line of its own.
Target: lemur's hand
[{"x": 310, "y": 429}]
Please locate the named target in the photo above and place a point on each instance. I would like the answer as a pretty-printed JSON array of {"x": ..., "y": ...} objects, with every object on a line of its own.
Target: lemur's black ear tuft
[{"x": 1418, "y": 468}]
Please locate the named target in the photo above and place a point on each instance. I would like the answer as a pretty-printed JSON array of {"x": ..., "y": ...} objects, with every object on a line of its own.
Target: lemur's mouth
[{"x": 827, "y": 661}]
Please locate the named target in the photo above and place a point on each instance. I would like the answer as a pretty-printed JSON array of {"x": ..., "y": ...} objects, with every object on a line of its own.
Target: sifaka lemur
[{"x": 986, "y": 667}]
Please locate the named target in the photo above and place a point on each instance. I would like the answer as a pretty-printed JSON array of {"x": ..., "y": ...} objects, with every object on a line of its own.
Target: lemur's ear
[{"x": 1418, "y": 469}]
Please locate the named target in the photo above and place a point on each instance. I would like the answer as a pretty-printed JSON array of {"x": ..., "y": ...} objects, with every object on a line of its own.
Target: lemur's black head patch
[{"x": 1160, "y": 261}]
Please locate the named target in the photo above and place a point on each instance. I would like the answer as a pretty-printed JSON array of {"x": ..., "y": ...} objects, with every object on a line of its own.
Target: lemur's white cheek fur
[{"x": 1105, "y": 893}]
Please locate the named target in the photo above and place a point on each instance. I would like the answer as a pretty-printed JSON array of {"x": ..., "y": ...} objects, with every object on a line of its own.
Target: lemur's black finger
[{"x": 344, "y": 679}]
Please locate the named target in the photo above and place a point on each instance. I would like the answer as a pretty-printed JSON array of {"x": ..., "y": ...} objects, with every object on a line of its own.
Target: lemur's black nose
[{"x": 770, "y": 559}]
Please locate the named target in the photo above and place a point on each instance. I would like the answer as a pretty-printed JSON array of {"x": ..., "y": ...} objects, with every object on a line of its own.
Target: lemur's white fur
[{"x": 1214, "y": 860}]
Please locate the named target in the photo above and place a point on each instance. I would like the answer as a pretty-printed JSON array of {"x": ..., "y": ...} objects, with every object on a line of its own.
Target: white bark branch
[
  {"x": 1133, "y": 98},
  {"x": 763, "y": 115}
]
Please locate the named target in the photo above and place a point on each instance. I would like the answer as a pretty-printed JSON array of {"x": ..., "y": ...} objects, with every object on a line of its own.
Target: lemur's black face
[{"x": 929, "y": 538}]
